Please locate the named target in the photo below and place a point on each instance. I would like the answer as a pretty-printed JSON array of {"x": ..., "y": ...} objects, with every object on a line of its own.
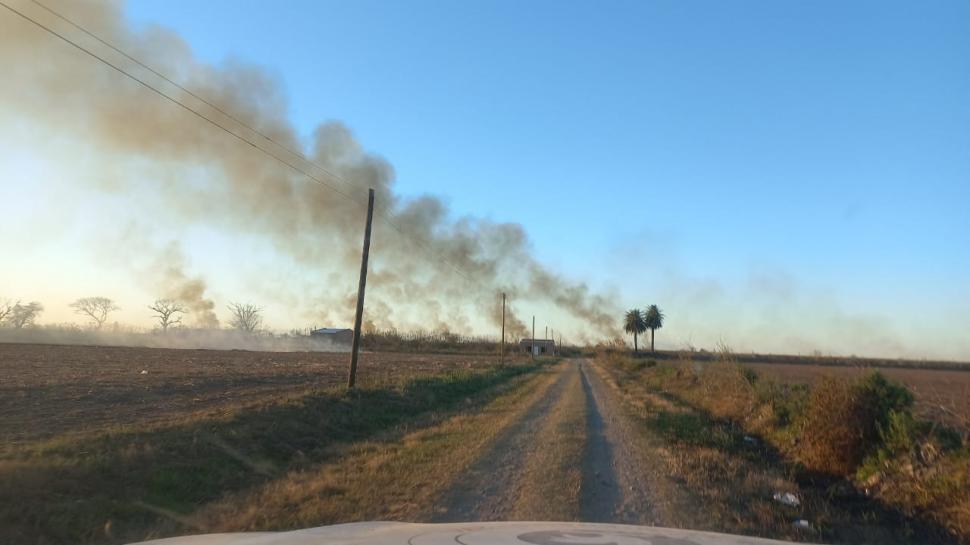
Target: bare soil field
[
  {"x": 941, "y": 395},
  {"x": 60, "y": 390},
  {"x": 96, "y": 451}
]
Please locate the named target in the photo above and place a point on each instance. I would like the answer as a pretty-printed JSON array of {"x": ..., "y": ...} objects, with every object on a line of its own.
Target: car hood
[{"x": 481, "y": 533}]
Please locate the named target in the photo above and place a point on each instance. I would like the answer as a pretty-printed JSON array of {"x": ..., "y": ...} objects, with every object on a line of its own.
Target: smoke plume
[
  {"x": 199, "y": 174},
  {"x": 175, "y": 284}
]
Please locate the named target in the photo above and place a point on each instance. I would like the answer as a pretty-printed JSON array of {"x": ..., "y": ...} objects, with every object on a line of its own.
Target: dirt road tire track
[
  {"x": 613, "y": 486},
  {"x": 489, "y": 489}
]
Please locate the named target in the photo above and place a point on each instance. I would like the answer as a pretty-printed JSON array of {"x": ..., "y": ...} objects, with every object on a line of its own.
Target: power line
[
  {"x": 169, "y": 98},
  {"x": 162, "y": 94},
  {"x": 189, "y": 92}
]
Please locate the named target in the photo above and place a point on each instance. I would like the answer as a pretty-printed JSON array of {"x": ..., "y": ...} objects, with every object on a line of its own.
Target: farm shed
[
  {"x": 334, "y": 335},
  {"x": 542, "y": 346}
]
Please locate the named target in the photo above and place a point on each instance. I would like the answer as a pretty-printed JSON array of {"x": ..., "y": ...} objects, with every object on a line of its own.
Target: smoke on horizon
[{"x": 201, "y": 175}]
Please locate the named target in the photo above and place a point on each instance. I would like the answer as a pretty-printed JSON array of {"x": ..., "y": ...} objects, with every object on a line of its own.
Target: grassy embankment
[
  {"x": 865, "y": 469},
  {"x": 324, "y": 457}
]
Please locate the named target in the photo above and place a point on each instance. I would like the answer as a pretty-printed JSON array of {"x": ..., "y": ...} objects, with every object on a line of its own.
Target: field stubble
[
  {"x": 58, "y": 390},
  {"x": 106, "y": 454}
]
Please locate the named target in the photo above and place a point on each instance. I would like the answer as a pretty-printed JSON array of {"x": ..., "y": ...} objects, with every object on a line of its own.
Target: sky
[{"x": 782, "y": 176}]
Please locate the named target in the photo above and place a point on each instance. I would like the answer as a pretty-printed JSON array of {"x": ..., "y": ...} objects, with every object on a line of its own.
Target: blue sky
[
  {"x": 785, "y": 153},
  {"x": 818, "y": 135},
  {"x": 827, "y": 140}
]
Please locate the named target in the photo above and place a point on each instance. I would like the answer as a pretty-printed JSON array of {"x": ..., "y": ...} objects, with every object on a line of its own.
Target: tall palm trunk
[
  {"x": 634, "y": 342},
  {"x": 651, "y": 339}
]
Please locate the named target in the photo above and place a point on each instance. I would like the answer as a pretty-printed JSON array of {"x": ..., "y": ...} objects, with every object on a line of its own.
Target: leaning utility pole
[
  {"x": 503, "y": 329},
  {"x": 352, "y": 378},
  {"x": 533, "y": 336}
]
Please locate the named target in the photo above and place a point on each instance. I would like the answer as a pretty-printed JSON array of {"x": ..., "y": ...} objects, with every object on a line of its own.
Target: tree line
[
  {"x": 637, "y": 321},
  {"x": 245, "y": 317}
]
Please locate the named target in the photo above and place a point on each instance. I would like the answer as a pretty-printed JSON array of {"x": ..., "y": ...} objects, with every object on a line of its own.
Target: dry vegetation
[
  {"x": 53, "y": 390},
  {"x": 399, "y": 476},
  {"x": 866, "y": 467},
  {"x": 95, "y": 451},
  {"x": 429, "y": 342},
  {"x": 942, "y": 395}
]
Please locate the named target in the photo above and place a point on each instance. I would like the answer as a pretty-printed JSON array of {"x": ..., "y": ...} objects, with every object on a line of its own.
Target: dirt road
[{"x": 570, "y": 455}]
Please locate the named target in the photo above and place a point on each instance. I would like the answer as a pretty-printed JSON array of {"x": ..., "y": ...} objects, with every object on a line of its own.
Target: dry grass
[
  {"x": 836, "y": 430},
  {"x": 941, "y": 395},
  {"x": 118, "y": 483},
  {"x": 730, "y": 475},
  {"x": 426, "y": 342},
  {"x": 398, "y": 478}
]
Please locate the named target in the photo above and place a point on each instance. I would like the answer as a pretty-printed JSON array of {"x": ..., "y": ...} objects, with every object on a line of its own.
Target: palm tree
[
  {"x": 654, "y": 320},
  {"x": 634, "y": 323}
]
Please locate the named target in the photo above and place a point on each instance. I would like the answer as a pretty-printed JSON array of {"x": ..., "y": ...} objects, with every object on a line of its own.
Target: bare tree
[
  {"x": 168, "y": 311},
  {"x": 245, "y": 317},
  {"x": 6, "y": 307},
  {"x": 96, "y": 308},
  {"x": 22, "y": 316}
]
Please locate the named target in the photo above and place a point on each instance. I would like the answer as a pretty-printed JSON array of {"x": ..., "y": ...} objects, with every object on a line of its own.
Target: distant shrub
[
  {"x": 391, "y": 340},
  {"x": 728, "y": 390},
  {"x": 749, "y": 374},
  {"x": 905, "y": 440},
  {"x": 787, "y": 401},
  {"x": 900, "y": 434},
  {"x": 624, "y": 361},
  {"x": 883, "y": 397},
  {"x": 830, "y": 437},
  {"x": 846, "y": 421},
  {"x": 863, "y": 429}
]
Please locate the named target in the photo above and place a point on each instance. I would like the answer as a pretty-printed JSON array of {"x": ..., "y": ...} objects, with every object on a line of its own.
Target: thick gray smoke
[
  {"x": 191, "y": 292},
  {"x": 244, "y": 191}
]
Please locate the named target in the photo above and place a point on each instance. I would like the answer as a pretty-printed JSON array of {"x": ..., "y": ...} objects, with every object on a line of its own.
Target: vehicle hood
[{"x": 479, "y": 533}]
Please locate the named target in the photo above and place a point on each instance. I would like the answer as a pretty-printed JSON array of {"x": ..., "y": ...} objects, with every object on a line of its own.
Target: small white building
[
  {"x": 538, "y": 347},
  {"x": 334, "y": 335}
]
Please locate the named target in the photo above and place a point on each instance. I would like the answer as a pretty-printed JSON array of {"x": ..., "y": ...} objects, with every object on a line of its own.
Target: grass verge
[
  {"x": 731, "y": 441},
  {"x": 396, "y": 478},
  {"x": 136, "y": 484}
]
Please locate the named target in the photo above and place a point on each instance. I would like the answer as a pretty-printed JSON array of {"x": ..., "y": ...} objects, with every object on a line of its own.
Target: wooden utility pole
[
  {"x": 352, "y": 377},
  {"x": 533, "y": 336},
  {"x": 503, "y": 329}
]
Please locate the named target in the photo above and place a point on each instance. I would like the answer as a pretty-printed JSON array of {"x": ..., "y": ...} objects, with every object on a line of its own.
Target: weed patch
[{"x": 857, "y": 438}]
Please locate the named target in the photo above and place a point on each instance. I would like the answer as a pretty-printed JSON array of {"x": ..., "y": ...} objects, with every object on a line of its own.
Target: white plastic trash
[{"x": 788, "y": 499}]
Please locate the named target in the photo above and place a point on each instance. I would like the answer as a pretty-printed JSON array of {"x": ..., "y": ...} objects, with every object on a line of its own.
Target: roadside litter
[{"x": 787, "y": 498}]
